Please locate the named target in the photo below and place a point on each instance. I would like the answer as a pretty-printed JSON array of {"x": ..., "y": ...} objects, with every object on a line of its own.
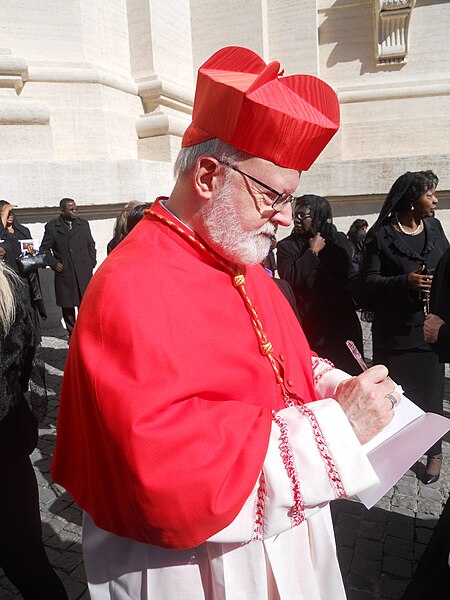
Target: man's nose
[{"x": 283, "y": 217}]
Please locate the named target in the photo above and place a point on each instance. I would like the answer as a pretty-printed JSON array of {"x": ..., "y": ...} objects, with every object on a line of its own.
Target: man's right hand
[
  {"x": 59, "y": 267},
  {"x": 364, "y": 399}
]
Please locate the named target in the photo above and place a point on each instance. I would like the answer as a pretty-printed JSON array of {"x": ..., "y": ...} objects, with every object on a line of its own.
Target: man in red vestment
[{"x": 198, "y": 432}]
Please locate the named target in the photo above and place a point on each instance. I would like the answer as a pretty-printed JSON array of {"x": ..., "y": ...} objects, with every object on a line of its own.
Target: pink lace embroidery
[
  {"x": 297, "y": 511},
  {"x": 318, "y": 362},
  {"x": 333, "y": 474},
  {"x": 259, "y": 509}
]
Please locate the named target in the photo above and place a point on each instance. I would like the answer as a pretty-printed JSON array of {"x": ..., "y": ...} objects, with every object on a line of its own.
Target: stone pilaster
[{"x": 161, "y": 63}]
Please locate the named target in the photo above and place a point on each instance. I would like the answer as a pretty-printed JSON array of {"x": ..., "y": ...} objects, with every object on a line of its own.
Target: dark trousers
[
  {"x": 432, "y": 576},
  {"x": 421, "y": 376},
  {"x": 69, "y": 317},
  {"x": 22, "y": 553}
]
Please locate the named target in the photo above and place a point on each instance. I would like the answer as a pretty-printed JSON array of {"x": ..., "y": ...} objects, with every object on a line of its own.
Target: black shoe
[{"x": 433, "y": 469}]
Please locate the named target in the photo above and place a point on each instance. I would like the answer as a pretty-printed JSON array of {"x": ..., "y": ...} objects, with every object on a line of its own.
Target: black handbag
[{"x": 27, "y": 263}]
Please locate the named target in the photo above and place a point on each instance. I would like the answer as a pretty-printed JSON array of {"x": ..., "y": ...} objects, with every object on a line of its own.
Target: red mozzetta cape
[{"x": 166, "y": 403}]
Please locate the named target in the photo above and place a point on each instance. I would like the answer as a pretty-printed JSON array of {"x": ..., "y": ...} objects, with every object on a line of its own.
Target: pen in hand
[
  {"x": 359, "y": 359},
  {"x": 356, "y": 354}
]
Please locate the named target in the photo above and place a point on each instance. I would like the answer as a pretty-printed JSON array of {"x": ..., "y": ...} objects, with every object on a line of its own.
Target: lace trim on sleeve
[{"x": 320, "y": 366}]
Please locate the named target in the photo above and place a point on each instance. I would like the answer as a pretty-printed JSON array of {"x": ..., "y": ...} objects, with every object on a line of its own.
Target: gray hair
[
  {"x": 7, "y": 302},
  {"x": 220, "y": 150}
]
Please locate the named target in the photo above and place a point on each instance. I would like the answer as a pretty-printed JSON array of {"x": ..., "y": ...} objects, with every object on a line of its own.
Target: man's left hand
[{"x": 431, "y": 328}]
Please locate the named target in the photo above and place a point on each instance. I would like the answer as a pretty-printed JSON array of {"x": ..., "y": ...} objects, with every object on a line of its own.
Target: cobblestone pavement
[{"x": 378, "y": 548}]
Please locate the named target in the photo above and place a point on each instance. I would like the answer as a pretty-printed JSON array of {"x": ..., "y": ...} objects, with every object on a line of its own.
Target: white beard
[{"x": 225, "y": 235}]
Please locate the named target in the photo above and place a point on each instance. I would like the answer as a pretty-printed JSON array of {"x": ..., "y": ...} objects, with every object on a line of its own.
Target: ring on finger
[{"x": 393, "y": 400}]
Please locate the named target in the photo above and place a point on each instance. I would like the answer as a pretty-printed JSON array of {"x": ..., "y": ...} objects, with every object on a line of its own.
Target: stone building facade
[{"x": 95, "y": 95}]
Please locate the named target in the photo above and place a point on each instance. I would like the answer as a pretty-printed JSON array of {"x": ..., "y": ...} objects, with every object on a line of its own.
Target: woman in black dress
[
  {"x": 316, "y": 260},
  {"x": 22, "y": 553},
  {"x": 402, "y": 250}
]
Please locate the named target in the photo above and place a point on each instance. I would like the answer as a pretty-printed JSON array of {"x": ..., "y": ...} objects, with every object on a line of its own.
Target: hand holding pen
[
  {"x": 367, "y": 399},
  {"x": 359, "y": 359}
]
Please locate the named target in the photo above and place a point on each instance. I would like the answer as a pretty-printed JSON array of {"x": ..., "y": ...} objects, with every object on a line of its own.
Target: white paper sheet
[{"x": 395, "y": 449}]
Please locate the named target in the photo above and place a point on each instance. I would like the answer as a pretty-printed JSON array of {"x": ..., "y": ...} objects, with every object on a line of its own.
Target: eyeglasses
[
  {"x": 280, "y": 201},
  {"x": 301, "y": 217}
]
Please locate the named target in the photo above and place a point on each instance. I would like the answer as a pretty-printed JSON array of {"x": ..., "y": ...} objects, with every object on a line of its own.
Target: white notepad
[{"x": 399, "y": 445}]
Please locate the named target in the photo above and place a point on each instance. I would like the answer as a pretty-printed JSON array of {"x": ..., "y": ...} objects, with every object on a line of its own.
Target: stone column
[{"x": 161, "y": 64}]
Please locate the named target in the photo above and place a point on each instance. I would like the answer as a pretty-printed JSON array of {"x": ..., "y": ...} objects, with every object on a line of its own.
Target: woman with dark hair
[
  {"x": 136, "y": 214},
  {"x": 120, "y": 226},
  {"x": 402, "y": 250},
  {"x": 12, "y": 232},
  {"x": 316, "y": 260},
  {"x": 22, "y": 553},
  {"x": 356, "y": 236}
]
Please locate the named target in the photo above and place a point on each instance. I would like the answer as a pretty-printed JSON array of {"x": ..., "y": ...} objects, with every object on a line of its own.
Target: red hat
[{"x": 244, "y": 102}]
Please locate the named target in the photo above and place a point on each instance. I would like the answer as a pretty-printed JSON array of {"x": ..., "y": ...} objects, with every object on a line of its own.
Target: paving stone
[
  {"x": 68, "y": 561},
  {"x": 430, "y": 493},
  {"x": 399, "y": 567},
  {"x": 423, "y": 534},
  {"x": 345, "y": 557},
  {"x": 377, "y": 515},
  {"x": 392, "y": 588},
  {"x": 362, "y": 565},
  {"x": 404, "y": 502},
  {"x": 79, "y": 573},
  {"x": 419, "y": 549},
  {"x": 426, "y": 520},
  {"x": 349, "y": 522},
  {"x": 359, "y": 583},
  {"x": 408, "y": 487},
  {"x": 346, "y": 536},
  {"x": 64, "y": 540},
  {"x": 369, "y": 548},
  {"x": 395, "y": 546},
  {"x": 400, "y": 526},
  {"x": 384, "y": 503},
  {"x": 372, "y": 530}
]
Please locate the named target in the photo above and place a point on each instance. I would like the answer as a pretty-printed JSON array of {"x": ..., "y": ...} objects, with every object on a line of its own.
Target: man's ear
[{"x": 206, "y": 174}]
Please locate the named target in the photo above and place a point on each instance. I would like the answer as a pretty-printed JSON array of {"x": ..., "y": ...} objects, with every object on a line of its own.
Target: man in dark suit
[{"x": 71, "y": 253}]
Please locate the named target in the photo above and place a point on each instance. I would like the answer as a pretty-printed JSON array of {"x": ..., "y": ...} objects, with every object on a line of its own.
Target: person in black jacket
[
  {"x": 432, "y": 576},
  {"x": 71, "y": 253},
  {"x": 22, "y": 553},
  {"x": 437, "y": 323},
  {"x": 316, "y": 260},
  {"x": 356, "y": 236},
  {"x": 12, "y": 233},
  {"x": 402, "y": 249}
]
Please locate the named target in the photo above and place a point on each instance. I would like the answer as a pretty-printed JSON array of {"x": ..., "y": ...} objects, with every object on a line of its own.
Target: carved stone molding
[
  {"x": 167, "y": 113},
  {"x": 13, "y": 71},
  {"x": 392, "y": 30}
]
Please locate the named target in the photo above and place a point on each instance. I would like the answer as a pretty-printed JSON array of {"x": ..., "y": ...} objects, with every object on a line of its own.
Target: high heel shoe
[{"x": 433, "y": 469}]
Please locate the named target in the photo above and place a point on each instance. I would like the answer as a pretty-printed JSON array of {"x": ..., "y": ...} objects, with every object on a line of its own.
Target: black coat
[
  {"x": 326, "y": 308},
  {"x": 398, "y": 310},
  {"x": 440, "y": 305},
  {"x": 75, "y": 249}
]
